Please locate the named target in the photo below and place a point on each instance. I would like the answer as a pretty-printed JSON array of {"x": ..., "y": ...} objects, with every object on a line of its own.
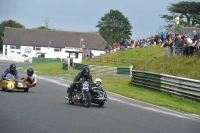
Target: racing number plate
[
  {"x": 20, "y": 84},
  {"x": 85, "y": 86}
]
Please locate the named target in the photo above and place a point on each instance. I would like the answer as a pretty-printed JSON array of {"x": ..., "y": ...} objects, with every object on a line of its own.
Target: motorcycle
[
  {"x": 80, "y": 94},
  {"x": 10, "y": 83},
  {"x": 99, "y": 95}
]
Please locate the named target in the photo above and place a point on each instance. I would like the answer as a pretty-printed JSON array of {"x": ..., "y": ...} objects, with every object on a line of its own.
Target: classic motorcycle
[
  {"x": 99, "y": 95},
  {"x": 81, "y": 94},
  {"x": 10, "y": 83}
]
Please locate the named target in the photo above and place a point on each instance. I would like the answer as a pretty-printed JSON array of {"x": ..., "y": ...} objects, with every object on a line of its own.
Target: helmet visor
[
  {"x": 98, "y": 83},
  {"x": 13, "y": 68},
  {"x": 86, "y": 73}
]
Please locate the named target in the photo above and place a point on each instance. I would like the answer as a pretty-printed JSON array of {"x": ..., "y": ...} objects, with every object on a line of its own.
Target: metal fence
[
  {"x": 183, "y": 87},
  {"x": 111, "y": 60},
  {"x": 104, "y": 69}
]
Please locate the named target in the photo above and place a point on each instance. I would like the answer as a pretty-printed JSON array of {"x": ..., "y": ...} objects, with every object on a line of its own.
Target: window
[
  {"x": 57, "y": 49},
  {"x": 73, "y": 55},
  {"x": 36, "y": 48},
  {"x": 12, "y": 47},
  {"x": 18, "y": 46},
  {"x": 15, "y": 46}
]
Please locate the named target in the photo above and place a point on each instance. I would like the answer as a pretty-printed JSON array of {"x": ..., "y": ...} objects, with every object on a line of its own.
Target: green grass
[
  {"x": 151, "y": 59},
  {"x": 50, "y": 69}
]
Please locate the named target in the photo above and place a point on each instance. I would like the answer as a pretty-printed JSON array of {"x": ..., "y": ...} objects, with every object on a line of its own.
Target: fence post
[
  {"x": 131, "y": 68},
  {"x": 68, "y": 60}
]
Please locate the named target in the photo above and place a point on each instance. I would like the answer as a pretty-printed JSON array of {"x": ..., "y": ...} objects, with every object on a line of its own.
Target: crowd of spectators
[
  {"x": 181, "y": 45},
  {"x": 175, "y": 44}
]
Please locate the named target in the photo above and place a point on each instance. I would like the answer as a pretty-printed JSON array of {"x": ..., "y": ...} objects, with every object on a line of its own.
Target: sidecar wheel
[
  {"x": 26, "y": 90},
  {"x": 101, "y": 103}
]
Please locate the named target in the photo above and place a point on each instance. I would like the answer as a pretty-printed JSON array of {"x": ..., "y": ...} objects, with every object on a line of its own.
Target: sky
[{"x": 83, "y": 15}]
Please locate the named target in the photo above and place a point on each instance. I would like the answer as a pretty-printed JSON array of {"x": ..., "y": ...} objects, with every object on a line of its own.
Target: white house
[{"x": 21, "y": 44}]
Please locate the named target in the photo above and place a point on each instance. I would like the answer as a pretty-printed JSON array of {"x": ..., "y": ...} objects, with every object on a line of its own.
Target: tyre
[
  {"x": 102, "y": 103},
  {"x": 87, "y": 101},
  {"x": 26, "y": 90},
  {"x": 3, "y": 89}
]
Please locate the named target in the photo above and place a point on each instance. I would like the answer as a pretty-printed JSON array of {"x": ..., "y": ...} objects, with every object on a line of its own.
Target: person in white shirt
[{"x": 32, "y": 78}]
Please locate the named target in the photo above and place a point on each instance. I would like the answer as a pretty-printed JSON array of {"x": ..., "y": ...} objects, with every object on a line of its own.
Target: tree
[
  {"x": 188, "y": 12},
  {"x": 114, "y": 26},
  {"x": 43, "y": 28},
  {"x": 7, "y": 23}
]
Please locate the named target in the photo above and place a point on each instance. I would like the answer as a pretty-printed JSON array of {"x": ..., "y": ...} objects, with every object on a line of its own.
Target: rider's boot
[{"x": 70, "y": 96}]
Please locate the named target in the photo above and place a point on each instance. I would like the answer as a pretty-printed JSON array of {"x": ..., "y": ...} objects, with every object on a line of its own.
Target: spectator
[
  {"x": 190, "y": 47},
  {"x": 91, "y": 54},
  {"x": 177, "y": 47},
  {"x": 163, "y": 36},
  {"x": 195, "y": 35},
  {"x": 107, "y": 48},
  {"x": 118, "y": 46},
  {"x": 198, "y": 43},
  {"x": 84, "y": 52},
  {"x": 88, "y": 53},
  {"x": 169, "y": 46}
]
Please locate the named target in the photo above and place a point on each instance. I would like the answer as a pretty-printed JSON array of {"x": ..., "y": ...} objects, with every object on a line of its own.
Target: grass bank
[{"x": 154, "y": 59}]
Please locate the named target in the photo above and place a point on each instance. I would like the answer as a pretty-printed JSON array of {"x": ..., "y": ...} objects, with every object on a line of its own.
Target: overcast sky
[{"x": 83, "y": 15}]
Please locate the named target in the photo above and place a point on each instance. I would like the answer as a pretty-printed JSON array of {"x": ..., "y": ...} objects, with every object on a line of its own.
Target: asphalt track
[{"x": 44, "y": 110}]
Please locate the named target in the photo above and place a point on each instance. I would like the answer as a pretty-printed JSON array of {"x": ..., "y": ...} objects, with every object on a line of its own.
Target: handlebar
[{"x": 81, "y": 83}]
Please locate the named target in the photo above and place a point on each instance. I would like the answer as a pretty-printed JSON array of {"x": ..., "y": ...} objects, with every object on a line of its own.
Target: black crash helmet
[
  {"x": 12, "y": 67},
  {"x": 85, "y": 71},
  {"x": 30, "y": 72}
]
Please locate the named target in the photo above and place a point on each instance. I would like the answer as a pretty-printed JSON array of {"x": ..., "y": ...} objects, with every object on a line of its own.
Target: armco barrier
[
  {"x": 104, "y": 69},
  {"x": 183, "y": 87},
  {"x": 79, "y": 66},
  {"x": 125, "y": 71}
]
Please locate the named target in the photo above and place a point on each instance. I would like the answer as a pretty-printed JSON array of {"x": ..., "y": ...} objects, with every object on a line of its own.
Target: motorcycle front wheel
[{"x": 87, "y": 100}]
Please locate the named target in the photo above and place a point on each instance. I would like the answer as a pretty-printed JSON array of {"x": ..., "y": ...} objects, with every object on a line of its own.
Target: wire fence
[{"x": 111, "y": 60}]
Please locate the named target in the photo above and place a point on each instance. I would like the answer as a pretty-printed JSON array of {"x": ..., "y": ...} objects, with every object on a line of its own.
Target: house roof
[{"x": 52, "y": 38}]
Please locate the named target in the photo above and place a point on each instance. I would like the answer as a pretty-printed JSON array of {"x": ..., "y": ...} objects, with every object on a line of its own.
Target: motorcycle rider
[
  {"x": 31, "y": 78},
  {"x": 84, "y": 75},
  {"x": 12, "y": 70}
]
